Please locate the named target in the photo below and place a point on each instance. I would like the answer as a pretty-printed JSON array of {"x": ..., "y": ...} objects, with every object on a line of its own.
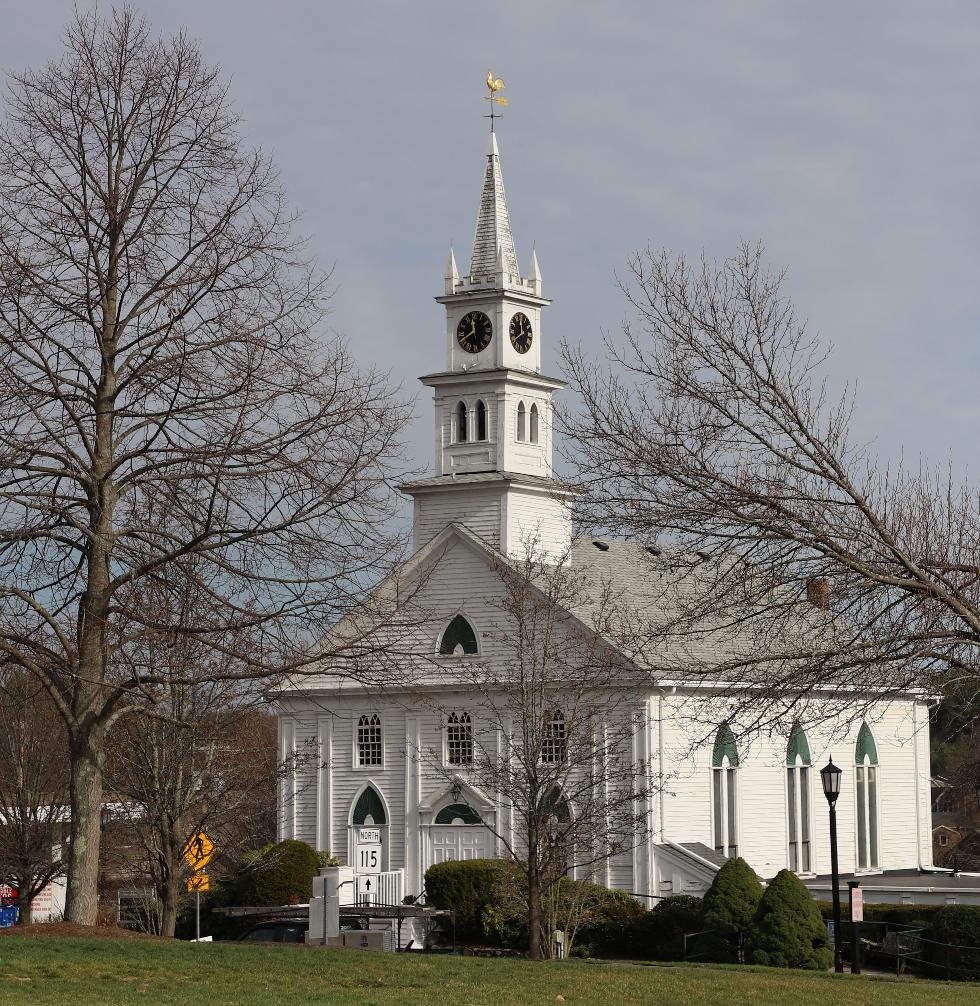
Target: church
[{"x": 364, "y": 793}]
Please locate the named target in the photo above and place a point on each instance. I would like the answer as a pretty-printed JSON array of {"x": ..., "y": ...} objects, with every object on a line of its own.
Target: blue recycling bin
[{"x": 8, "y": 916}]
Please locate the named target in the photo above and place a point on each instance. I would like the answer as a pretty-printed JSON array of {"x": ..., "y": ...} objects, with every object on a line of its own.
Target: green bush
[
  {"x": 659, "y": 934},
  {"x": 955, "y": 932},
  {"x": 470, "y": 887},
  {"x": 913, "y": 916},
  {"x": 788, "y": 930},
  {"x": 730, "y": 905},
  {"x": 279, "y": 874},
  {"x": 609, "y": 919}
]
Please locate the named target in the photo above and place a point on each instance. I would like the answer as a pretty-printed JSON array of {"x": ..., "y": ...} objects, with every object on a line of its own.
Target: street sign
[
  {"x": 198, "y": 852},
  {"x": 857, "y": 904},
  {"x": 198, "y": 882}
]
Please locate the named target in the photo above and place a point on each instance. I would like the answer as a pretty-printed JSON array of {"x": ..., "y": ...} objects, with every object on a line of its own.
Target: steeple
[
  {"x": 493, "y": 241},
  {"x": 452, "y": 273}
]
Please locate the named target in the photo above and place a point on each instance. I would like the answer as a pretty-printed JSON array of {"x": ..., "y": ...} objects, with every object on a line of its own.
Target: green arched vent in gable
[
  {"x": 458, "y": 632},
  {"x": 724, "y": 745},
  {"x": 458, "y": 812},
  {"x": 369, "y": 805},
  {"x": 865, "y": 746},
  {"x": 797, "y": 747}
]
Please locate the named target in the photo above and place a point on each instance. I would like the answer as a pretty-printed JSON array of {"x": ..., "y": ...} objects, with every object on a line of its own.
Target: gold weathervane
[{"x": 495, "y": 84}]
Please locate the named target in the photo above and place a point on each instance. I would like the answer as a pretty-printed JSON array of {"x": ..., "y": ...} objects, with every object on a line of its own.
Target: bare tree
[
  {"x": 545, "y": 727},
  {"x": 711, "y": 425},
  {"x": 33, "y": 787},
  {"x": 164, "y": 396}
]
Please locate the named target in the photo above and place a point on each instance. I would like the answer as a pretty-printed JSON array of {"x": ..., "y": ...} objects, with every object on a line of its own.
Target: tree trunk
[
  {"x": 169, "y": 895},
  {"x": 82, "y": 897},
  {"x": 534, "y": 948},
  {"x": 24, "y": 901}
]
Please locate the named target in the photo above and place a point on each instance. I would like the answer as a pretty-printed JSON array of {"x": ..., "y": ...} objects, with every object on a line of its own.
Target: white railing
[{"x": 379, "y": 888}]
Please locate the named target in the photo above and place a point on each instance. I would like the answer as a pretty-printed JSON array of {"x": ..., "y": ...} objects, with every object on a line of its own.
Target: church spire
[{"x": 493, "y": 242}]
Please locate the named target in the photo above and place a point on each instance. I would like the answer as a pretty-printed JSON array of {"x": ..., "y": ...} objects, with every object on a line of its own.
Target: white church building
[{"x": 367, "y": 797}]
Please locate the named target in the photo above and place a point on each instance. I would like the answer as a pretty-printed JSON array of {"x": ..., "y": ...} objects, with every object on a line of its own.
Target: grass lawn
[{"x": 51, "y": 972}]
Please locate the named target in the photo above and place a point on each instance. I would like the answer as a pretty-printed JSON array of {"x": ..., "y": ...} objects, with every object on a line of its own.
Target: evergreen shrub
[
  {"x": 659, "y": 934},
  {"x": 279, "y": 874},
  {"x": 730, "y": 905},
  {"x": 470, "y": 887},
  {"x": 955, "y": 936},
  {"x": 788, "y": 930}
]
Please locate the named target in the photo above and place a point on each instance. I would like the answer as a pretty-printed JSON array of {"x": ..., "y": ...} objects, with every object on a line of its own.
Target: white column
[{"x": 324, "y": 784}]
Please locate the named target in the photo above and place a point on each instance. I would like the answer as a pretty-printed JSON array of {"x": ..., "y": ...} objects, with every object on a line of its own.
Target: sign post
[
  {"x": 198, "y": 852},
  {"x": 857, "y": 917}
]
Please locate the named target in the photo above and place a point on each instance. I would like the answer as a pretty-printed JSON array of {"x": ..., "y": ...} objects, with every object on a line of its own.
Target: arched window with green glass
[
  {"x": 866, "y": 796},
  {"x": 798, "y": 766},
  {"x": 724, "y": 792}
]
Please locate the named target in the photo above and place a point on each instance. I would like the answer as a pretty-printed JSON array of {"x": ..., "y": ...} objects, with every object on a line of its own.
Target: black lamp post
[{"x": 830, "y": 780}]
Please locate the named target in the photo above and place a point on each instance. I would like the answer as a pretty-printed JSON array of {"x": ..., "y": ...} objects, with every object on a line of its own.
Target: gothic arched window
[
  {"x": 724, "y": 769},
  {"x": 461, "y": 423},
  {"x": 369, "y": 808},
  {"x": 459, "y": 739},
  {"x": 798, "y": 800},
  {"x": 866, "y": 794},
  {"x": 370, "y": 745},
  {"x": 554, "y": 741},
  {"x": 459, "y": 638},
  {"x": 481, "y": 420},
  {"x": 520, "y": 421},
  {"x": 458, "y": 813},
  {"x": 534, "y": 424}
]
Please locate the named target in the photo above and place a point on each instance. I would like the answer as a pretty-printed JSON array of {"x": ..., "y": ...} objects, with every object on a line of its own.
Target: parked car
[{"x": 291, "y": 930}]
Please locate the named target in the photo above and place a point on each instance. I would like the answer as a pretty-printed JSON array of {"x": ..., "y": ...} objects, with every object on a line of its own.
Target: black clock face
[
  {"x": 474, "y": 332},
  {"x": 521, "y": 333}
]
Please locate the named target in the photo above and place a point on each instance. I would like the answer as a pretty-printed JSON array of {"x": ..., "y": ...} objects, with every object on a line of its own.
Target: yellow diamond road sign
[{"x": 198, "y": 851}]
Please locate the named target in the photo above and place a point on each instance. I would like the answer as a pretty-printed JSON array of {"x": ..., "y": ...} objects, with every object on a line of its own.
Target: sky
[{"x": 844, "y": 136}]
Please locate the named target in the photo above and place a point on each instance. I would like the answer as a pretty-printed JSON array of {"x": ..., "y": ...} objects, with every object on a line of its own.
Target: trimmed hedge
[
  {"x": 788, "y": 931},
  {"x": 914, "y": 916},
  {"x": 279, "y": 874},
  {"x": 958, "y": 926},
  {"x": 659, "y": 934},
  {"x": 470, "y": 887}
]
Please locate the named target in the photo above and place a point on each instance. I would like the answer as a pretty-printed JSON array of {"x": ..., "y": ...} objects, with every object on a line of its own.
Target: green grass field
[{"x": 50, "y": 972}]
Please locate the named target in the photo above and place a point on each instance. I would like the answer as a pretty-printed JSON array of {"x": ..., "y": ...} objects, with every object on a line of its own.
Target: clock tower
[{"x": 493, "y": 406}]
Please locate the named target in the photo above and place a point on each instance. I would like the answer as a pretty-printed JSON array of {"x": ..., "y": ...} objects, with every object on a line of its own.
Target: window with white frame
[
  {"x": 370, "y": 749},
  {"x": 521, "y": 419},
  {"x": 481, "y": 420},
  {"x": 533, "y": 424},
  {"x": 798, "y": 800},
  {"x": 461, "y": 416},
  {"x": 724, "y": 792},
  {"x": 459, "y": 739},
  {"x": 554, "y": 741},
  {"x": 866, "y": 796}
]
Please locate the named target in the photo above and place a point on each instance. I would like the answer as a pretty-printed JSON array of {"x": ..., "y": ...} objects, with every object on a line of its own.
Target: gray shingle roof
[{"x": 493, "y": 234}]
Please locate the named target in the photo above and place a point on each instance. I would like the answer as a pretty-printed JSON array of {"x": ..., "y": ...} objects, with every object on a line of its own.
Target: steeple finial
[
  {"x": 452, "y": 273},
  {"x": 534, "y": 276}
]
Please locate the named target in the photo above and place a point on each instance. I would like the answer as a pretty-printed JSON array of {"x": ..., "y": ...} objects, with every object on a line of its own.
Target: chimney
[{"x": 818, "y": 592}]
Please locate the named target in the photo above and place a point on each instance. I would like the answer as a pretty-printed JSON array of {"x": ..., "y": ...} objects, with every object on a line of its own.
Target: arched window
[
  {"x": 534, "y": 424},
  {"x": 724, "y": 766},
  {"x": 369, "y": 809},
  {"x": 458, "y": 813},
  {"x": 370, "y": 749},
  {"x": 798, "y": 800},
  {"x": 520, "y": 421},
  {"x": 461, "y": 423},
  {"x": 459, "y": 739},
  {"x": 866, "y": 794},
  {"x": 481, "y": 420},
  {"x": 458, "y": 639},
  {"x": 554, "y": 741}
]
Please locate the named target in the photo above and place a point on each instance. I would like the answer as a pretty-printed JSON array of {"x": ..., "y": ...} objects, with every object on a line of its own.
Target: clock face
[
  {"x": 474, "y": 332},
  {"x": 521, "y": 333}
]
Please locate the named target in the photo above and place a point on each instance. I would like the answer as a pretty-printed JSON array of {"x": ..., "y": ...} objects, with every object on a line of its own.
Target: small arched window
[
  {"x": 866, "y": 795},
  {"x": 458, "y": 639},
  {"x": 798, "y": 800},
  {"x": 520, "y": 421},
  {"x": 554, "y": 740},
  {"x": 369, "y": 809},
  {"x": 481, "y": 420},
  {"x": 370, "y": 748},
  {"x": 459, "y": 739},
  {"x": 461, "y": 423},
  {"x": 458, "y": 813},
  {"x": 724, "y": 768},
  {"x": 534, "y": 424}
]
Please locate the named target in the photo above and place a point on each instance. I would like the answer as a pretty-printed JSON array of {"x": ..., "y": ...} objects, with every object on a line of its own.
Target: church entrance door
[{"x": 454, "y": 842}]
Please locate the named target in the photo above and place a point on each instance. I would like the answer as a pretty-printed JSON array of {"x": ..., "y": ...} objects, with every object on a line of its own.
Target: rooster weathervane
[{"x": 494, "y": 84}]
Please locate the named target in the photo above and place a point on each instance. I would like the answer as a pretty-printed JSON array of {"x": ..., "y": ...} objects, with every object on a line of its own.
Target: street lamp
[{"x": 830, "y": 780}]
